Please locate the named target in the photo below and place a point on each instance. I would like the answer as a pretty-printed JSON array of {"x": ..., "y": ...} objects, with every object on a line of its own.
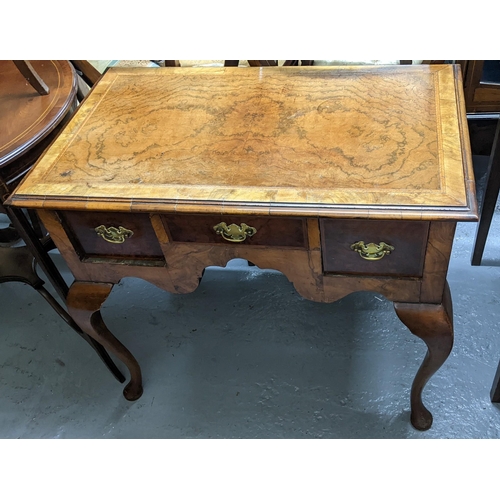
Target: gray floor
[{"x": 245, "y": 356}]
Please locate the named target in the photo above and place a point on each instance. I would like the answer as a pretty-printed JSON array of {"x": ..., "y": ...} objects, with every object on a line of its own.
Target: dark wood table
[
  {"x": 344, "y": 179},
  {"x": 29, "y": 122}
]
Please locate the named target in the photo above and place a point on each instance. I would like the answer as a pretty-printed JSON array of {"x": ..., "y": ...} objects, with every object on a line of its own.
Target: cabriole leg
[{"x": 433, "y": 323}]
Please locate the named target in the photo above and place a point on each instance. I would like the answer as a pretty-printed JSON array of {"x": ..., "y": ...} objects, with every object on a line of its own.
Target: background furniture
[
  {"x": 489, "y": 200},
  {"x": 482, "y": 86},
  {"x": 231, "y": 63},
  {"x": 482, "y": 98},
  {"x": 36, "y": 101}
]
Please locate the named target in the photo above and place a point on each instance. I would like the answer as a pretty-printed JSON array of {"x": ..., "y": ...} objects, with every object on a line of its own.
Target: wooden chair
[
  {"x": 495, "y": 388},
  {"x": 42, "y": 97},
  {"x": 487, "y": 210},
  {"x": 489, "y": 201}
]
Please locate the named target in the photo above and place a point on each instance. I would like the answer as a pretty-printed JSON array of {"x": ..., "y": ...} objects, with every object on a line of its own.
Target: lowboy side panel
[{"x": 436, "y": 263}]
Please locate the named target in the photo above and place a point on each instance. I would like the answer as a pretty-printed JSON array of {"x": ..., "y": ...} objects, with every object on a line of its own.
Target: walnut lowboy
[{"x": 344, "y": 179}]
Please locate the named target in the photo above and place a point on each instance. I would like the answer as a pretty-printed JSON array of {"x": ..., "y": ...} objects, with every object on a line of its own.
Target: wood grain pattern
[
  {"x": 271, "y": 231},
  {"x": 303, "y": 141},
  {"x": 409, "y": 239},
  {"x": 185, "y": 263},
  {"x": 437, "y": 259},
  {"x": 80, "y": 226}
]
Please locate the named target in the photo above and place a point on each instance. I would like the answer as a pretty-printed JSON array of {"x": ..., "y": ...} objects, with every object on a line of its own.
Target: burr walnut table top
[{"x": 381, "y": 141}]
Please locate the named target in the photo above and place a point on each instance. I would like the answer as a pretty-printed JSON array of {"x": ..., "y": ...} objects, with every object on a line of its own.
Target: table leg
[
  {"x": 433, "y": 323},
  {"x": 84, "y": 304}
]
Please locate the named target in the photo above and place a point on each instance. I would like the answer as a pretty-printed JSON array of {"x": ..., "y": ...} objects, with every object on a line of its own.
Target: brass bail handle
[
  {"x": 372, "y": 251},
  {"x": 234, "y": 232},
  {"x": 113, "y": 235}
]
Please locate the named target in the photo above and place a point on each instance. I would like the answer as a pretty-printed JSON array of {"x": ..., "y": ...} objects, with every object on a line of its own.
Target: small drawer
[
  {"x": 403, "y": 256},
  {"x": 104, "y": 234},
  {"x": 258, "y": 231}
]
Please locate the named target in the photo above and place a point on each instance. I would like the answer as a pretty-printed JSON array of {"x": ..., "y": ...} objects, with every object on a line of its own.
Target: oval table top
[{"x": 27, "y": 117}]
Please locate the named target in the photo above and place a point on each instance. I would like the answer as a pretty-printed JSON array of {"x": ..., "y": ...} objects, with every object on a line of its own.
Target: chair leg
[
  {"x": 98, "y": 348},
  {"x": 36, "y": 252},
  {"x": 17, "y": 264},
  {"x": 36, "y": 224},
  {"x": 489, "y": 201},
  {"x": 495, "y": 389}
]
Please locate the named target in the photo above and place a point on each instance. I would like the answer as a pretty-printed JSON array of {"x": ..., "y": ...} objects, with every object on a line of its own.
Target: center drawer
[{"x": 235, "y": 229}]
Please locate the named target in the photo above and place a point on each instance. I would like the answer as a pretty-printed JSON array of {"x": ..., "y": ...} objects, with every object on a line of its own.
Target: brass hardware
[
  {"x": 113, "y": 235},
  {"x": 372, "y": 251},
  {"x": 233, "y": 232}
]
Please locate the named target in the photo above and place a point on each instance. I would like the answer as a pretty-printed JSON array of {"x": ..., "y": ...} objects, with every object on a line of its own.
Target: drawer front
[
  {"x": 98, "y": 234},
  {"x": 267, "y": 231},
  {"x": 403, "y": 254}
]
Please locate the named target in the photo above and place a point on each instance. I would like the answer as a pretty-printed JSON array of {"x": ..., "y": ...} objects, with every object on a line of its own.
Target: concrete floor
[{"x": 244, "y": 356}]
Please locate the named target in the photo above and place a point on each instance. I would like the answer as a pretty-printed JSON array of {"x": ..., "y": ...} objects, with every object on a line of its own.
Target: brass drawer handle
[
  {"x": 372, "y": 251},
  {"x": 233, "y": 232},
  {"x": 113, "y": 235}
]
